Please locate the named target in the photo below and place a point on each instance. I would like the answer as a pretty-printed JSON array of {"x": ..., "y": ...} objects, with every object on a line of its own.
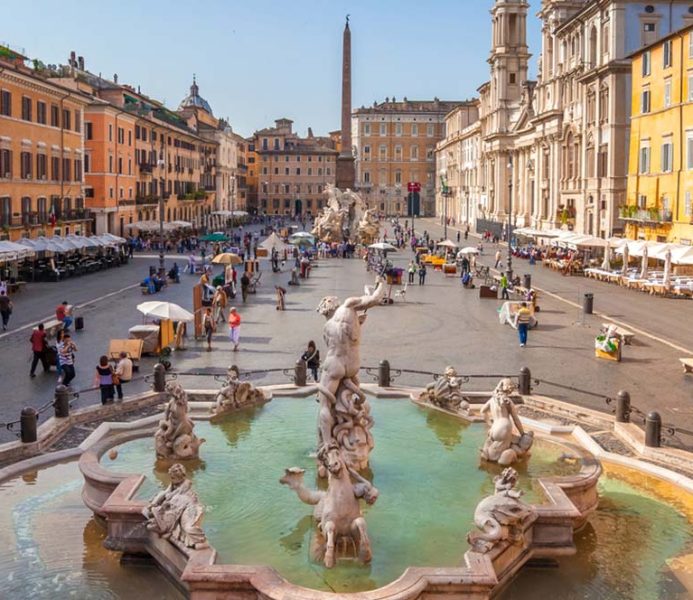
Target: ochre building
[{"x": 660, "y": 174}]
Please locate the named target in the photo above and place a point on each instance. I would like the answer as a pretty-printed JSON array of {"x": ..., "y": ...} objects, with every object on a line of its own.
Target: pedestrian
[
  {"x": 411, "y": 271},
  {"x": 312, "y": 359},
  {"x": 422, "y": 273},
  {"x": 67, "y": 359},
  {"x": 123, "y": 373},
  {"x": 458, "y": 236},
  {"x": 38, "y": 347},
  {"x": 60, "y": 334},
  {"x": 504, "y": 287},
  {"x": 219, "y": 304},
  {"x": 5, "y": 309},
  {"x": 63, "y": 313},
  {"x": 498, "y": 259},
  {"x": 522, "y": 320},
  {"x": 466, "y": 232},
  {"x": 234, "y": 327},
  {"x": 104, "y": 379},
  {"x": 208, "y": 324},
  {"x": 245, "y": 285},
  {"x": 281, "y": 293}
]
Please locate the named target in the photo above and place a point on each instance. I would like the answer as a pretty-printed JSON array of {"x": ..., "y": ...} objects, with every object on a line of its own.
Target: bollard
[
  {"x": 588, "y": 304},
  {"x": 28, "y": 421},
  {"x": 159, "y": 378},
  {"x": 525, "y": 381},
  {"x": 653, "y": 430},
  {"x": 61, "y": 402},
  {"x": 384, "y": 374},
  {"x": 623, "y": 407},
  {"x": 300, "y": 373}
]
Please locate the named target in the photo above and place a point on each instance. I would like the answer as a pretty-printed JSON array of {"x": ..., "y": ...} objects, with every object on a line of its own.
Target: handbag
[{"x": 116, "y": 377}]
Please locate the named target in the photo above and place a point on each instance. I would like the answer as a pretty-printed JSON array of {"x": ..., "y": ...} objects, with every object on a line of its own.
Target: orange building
[
  {"x": 41, "y": 153},
  {"x": 138, "y": 150}
]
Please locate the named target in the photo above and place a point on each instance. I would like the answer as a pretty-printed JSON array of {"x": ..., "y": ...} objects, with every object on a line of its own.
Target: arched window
[{"x": 593, "y": 46}]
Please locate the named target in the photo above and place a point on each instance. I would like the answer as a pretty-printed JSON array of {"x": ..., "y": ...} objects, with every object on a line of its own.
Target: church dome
[{"x": 194, "y": 100}]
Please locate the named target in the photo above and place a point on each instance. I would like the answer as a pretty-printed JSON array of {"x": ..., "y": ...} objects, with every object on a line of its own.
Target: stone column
[{"x": 346, "y": 172}]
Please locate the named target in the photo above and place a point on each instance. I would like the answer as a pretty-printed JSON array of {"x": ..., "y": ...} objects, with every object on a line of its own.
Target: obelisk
[{"x": 346, "y": 170}]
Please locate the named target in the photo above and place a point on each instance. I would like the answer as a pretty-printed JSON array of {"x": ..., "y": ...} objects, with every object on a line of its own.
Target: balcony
[
  {"x": 140, "y": 200},
  {"x": 146, "y": 168},
  {"x": 654, "y": 216},
  {"x": 33, "y": 219}
]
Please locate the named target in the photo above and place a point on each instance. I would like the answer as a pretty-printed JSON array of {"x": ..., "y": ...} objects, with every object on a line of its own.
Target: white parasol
[
  {"x": 383, "y": 246},
  {"x": 165, "y": 310},
  {"x": 447, "y": 244},
  {"x": 469, "y": 250},
  {"x": 643, "y": 267},
  {"x": 666, "y": 280}
]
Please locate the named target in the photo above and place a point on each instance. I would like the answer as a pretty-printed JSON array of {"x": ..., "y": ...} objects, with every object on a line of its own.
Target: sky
[{"x": 260, "y": 60}]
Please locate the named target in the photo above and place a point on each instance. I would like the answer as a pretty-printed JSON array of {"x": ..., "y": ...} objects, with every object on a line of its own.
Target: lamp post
[
  {"x": 509, "y": 232},
  {"x": 161, "y": 163},
  {"x": 445, "y": 192}
]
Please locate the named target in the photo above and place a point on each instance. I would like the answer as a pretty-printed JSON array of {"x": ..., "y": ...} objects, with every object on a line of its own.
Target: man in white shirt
[{"x": 124, "y": 373}]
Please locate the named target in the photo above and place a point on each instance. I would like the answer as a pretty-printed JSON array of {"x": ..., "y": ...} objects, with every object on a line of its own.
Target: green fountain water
[{"x": 426, "y": 467}]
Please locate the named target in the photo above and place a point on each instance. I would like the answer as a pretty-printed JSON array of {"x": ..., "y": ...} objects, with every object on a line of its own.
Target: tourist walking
[
  {"x": 123, "y": 373},
  {"x": 411, "y": 270},
  {"x": 38, "y": 347},
  {"x": 58, "y": 347},
  {"x": 312, "y": 359},
  {"x": 219, "y": 304},
  {"x": 234, "y": 327},
  {"x": 498, "y": 259},
  {"x": 458, "y": 236},
  {"x": 522, "y": 320},
  {"x": 245, "y": 286},
  {"x": 504, "y": 287},
  {"x": 104, "y": 379},
  {"x": 422, "y": 274},
  {"x": 67, "y": 359},
  {"x": 208, "y": 324},
  {"x": 5, "y": 309}
]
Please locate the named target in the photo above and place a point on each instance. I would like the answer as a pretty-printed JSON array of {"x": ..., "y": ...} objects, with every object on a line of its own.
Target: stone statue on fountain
[
  {"x": 236, "y": 394},
  {"x": 342, "y": 529},
  {"x": 500, "y": 517},
  {"x": 176, "y": 513},
  {"x": 446, "y": 392},
  {"x": 344, "y": 416},
  {"x": 175, "y": 439},
  {"x": 503, "y": 445},
  {"x": 345, "y": 217}
]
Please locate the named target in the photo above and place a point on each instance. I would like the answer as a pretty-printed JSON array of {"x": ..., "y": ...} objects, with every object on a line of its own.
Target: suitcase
[
  {"x": 51, "y": 356},
  {"x": 79, "y": 323}
]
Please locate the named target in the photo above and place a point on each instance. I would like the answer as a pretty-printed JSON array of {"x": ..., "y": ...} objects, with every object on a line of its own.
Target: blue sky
[{"x": 259, "y": 60}]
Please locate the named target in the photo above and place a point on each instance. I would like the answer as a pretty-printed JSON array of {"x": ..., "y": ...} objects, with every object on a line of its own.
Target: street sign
[{"x": 413, "y": 186}]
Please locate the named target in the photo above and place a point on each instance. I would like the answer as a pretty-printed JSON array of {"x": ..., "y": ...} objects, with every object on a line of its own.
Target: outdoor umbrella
[
  {"x": 624, "y": 270},
  {"x": 643, "y": 267},
  {"x": 227, "y": 258},
  {"x": 606, "y": 263},
  {"x": 164, "y": 310},
  {"x": 447, "y": 244},
  {"x": 469, "y": 250},
  {"x": 666, "y": 280},
  {"x": 302, "y": 236},
  {"x": 214, "y": 237},
  {"x": 302, "y": 242},
  {"x": 383, "y": 246},
  {"x": 273, "y": 241}
]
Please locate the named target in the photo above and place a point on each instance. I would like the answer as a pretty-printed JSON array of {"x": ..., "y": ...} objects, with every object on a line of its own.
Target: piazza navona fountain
[{"x": 381, "y": 492}]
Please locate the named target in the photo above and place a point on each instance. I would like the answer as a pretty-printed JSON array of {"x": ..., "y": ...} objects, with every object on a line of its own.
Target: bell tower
[{"x": 509, "y": 51}]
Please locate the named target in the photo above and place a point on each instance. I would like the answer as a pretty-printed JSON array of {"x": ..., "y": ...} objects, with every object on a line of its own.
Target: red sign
[{"x": 413, "y": 186}]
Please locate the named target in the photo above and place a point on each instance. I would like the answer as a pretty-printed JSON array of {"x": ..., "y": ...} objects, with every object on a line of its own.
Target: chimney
[
  {"x": 80, "y": 63},
  {"x": 115, "y": 77}
]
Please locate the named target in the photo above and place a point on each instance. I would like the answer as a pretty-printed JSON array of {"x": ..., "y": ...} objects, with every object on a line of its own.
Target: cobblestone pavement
[{"x": 438, "y": 324}]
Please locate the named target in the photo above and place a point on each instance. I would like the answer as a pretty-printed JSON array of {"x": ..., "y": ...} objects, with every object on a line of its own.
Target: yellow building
[{"x": 660, "y": 172}]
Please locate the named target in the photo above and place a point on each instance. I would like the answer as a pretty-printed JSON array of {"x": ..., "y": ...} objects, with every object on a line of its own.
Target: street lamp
[
  {"x": 445, "y": 191},
  {"x": 509, "y": 232},
  {"x": 161, "y": 163}
]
